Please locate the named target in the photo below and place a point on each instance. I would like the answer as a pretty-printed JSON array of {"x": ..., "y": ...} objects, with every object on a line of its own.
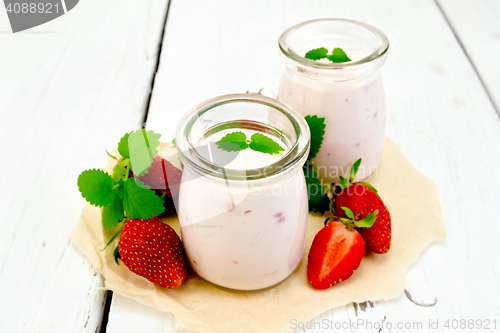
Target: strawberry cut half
[{"x": 335, "y": 254}]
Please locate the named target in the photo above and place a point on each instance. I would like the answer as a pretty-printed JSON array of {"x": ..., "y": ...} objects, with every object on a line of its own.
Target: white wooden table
[{"x": 70, "y": 88}]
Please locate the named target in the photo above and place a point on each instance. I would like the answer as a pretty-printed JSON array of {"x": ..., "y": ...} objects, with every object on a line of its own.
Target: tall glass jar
[
  {"x": 349, "y": 95},
  {"x": 243, "y": 214}
]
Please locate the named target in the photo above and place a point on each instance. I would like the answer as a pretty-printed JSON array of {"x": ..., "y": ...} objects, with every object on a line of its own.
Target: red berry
[
  {"x": 163, "y": 177},
  {"x": 335, "y": 254},
  {"x": 361, "y": 201},
  {"x": 153, "y": 250}
]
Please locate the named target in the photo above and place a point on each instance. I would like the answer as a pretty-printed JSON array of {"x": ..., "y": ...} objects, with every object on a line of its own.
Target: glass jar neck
[
  {"x": 364, "y": 44},
  {"x": 252, "y": 113}
]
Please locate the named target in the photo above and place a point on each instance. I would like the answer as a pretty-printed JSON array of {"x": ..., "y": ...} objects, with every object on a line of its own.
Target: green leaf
[
  {"x": 142, "y": 147},
  {"x": 116, "y": 254},
  {"x": 354, "y": 170},
  {"x": 123, "y": 146},
  {"x": 317, "y": 54},
  {"x": 121, "y": 170},
  {"x": 96, "y": 187},
  {"x": 338, "y": 55},
  {"x": 317, "y": 128},
  {"x": 113, "y": 213},
  {"x": 368, "y": 221},
  {"x": 173, "y": 142},
  {"x": 348, "y": 212},
  {"x": 260, "y": 142},
  {"x": 343, "y": 183},
  {"x": 370, "y": 186},
  {"x": 141, "y": 203},
  {"x": 235, "y": 141},
  {"x": 318, "y": 200}
]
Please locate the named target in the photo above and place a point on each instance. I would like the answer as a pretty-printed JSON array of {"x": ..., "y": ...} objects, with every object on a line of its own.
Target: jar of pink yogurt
[
  {"x": 243, "y": 214},
  {"x": 349, "y": 95}
]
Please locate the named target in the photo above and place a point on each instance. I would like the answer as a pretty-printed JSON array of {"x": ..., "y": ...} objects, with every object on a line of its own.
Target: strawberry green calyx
[
  {"x": 350, "y": 222},
  {"x": 346, "y": 183}
]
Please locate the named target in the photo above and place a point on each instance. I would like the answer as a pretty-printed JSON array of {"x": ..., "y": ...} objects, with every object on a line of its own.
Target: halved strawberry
[
  {"x": 363, "y": 199},
  {"x": 335, "y": 254}
]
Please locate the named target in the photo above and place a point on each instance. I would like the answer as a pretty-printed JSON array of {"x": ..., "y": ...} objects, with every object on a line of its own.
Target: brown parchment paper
[{"x": 200, "y": 306}]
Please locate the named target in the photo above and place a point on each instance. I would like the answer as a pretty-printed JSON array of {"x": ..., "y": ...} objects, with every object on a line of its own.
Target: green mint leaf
[
  {"x": 141, "y": 203},
  {"x": 338, "y": 55},
  {"x": 123, "y": 146},
  {"x": 235, "y": 141},
  {"x": 142, "y": 147},
  {"x": 317, "y": 128},
  {"x": 113, "y": 213},
  {"x": 96, "y": 187},
  {"x": 354, "y": 170},
  {"x": 318, "y": 200},
  {"x": 116, "y": 254},
  {"x": 317, "y": 54},
  {"x": 343, "y": 183},
  {"x": 260, "y": 142},
  {"x": 173, "y": 142},
  {"x": 348, "y": 212},
  {"x": 121, "y": 170},
  {"x": 370, "y": 186},
  {"x": 368, "y": 221}
]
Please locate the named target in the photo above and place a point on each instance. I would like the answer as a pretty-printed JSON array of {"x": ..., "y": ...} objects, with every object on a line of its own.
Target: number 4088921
[{"x": 32, "y": 8}]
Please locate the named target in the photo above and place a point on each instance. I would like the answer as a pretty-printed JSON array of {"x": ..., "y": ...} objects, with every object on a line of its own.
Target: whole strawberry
[
  {"x": 336, "y": 252},
  {"x": 153, "y": 250},
  {"x": 363, "y": 199},
  {"x": 164, "y": 179}
]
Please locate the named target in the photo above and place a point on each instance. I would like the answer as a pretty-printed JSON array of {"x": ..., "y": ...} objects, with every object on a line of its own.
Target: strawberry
[
  {"x": 362, "y": 199},
  {"x": 335, "y": 254},
  {"x": 153, "y": 250},
  {"x": 164, "y": 179}
]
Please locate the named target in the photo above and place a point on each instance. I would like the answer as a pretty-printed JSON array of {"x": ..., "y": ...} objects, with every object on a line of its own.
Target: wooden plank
[
  {"x": 477, "y": 26},
  {"x": 438, "y": 114},
  {"x": 69, "y": 89}
]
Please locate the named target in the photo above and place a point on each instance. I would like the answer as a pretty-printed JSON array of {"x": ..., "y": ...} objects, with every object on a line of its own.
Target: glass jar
[
  {"x": 349, "y": 95},
  {"x": 243, "y": 214}
]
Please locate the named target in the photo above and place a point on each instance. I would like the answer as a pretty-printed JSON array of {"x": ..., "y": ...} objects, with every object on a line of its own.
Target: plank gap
[
  {"x": 105, "y": 312},
  {"x": 144, "y": 120},
  {"x": 483, "y": 84}
]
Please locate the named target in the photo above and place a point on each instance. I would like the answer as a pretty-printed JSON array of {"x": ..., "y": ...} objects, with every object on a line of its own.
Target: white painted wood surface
[
  {"x": 477, "y": 26},
  {"x": 439, "y": 115},
  {"x": 68, "y": 90}
]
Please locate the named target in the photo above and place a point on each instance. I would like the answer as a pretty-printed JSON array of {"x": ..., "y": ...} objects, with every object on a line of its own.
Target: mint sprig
[
  {"x": 120, "y": 195},
  {"x": 237, "y": 141},
  {"x": 338, "y": 55},
  {"x": 317, "y": 54}
]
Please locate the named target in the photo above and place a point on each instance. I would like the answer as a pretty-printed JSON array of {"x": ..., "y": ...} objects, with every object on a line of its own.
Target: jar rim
[
  {"x": 383, "y": 45},
  {"x": 189, "y": 154}
]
